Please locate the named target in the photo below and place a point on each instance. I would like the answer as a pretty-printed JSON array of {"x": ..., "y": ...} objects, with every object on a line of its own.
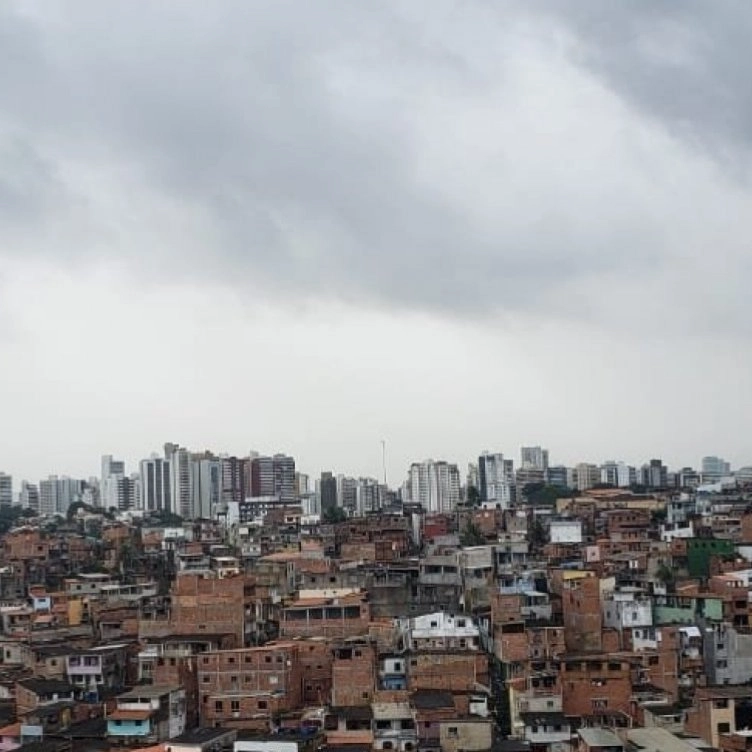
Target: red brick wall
[
  {"x": 263, "y": 681},
  {"x": 353, "y": 675}
]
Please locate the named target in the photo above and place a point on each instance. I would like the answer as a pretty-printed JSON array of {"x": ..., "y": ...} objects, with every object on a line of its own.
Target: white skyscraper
[
  {"x": 180, "y": 463},
  {"x": 369, "y": 496},
  {"x": 110, "y": 484},
  {"x": 496, "y": 479},
  {"x": 435, "y": 485},
  {"x": 57, "y": 494},
  {"x": 156, "y": 484},
  {"x": 205, "y": 486}
]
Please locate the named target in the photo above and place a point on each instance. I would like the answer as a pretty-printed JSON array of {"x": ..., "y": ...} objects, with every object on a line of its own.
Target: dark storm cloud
[
  {"x": 684, "y": 63},
  {"x": 323, "y": 147}
]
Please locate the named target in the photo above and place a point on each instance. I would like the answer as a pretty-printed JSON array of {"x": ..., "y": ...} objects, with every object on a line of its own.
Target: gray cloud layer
[{"x": 456, "y": 157}]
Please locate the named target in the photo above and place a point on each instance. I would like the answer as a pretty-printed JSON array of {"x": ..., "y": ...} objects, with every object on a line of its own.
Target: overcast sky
[{"x": 310, "y": 226}]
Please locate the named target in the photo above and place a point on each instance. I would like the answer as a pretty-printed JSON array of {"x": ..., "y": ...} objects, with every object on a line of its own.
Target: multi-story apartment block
[
  {"x": 534, "y": 457},
  {"x": 496, "y": 480},
  {"x": 248, "y": 688},
  {"x": 6, "y": 490},
  {"x": 435, "y": 485}
]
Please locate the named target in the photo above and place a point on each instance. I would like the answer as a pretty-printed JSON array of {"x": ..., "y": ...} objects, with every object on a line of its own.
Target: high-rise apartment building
[
  {"x": 347, "y": 493},
  {"x": 156, "y": 484},
  {"x": 496, "y": 479},
  {"x": 29, "y": 496},
  {"x": 327, "y": 492},
  {"x": 715, "y": 468},
  {"x": 369, "y": 496},
  {"x": 558, "y": 475},
  {"x": 6, "y": 490},
  {"x": 587, "y": 476},
  {"x": 534, "y": 458},
  {"x": 235, "y": 478},
  {"x": 205, "y": 485},
  {"x": 435, "y": 485},
  {"x": 302, "y": 484},
  {"x": 112, "y": 490},
  {"x": 273, "y": 476},
  {"x": 57, "y": 494},
  {"x": 180, "y": 483},
  {"x": 618, "y": 474},
  {"x": 653, "y": 474}
]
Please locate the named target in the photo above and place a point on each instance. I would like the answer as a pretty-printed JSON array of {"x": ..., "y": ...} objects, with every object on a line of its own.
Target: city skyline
[
  {"x": 311, "y": 227},
  {"x": 707, "y": 464}
]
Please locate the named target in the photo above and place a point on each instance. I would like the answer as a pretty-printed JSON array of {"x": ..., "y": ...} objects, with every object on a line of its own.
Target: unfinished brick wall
[
  {"x": 583, "y": 621},
  {"x": 316, "y": 669},
  {"x": 353, "y": 674},
  {"x": 452, "y": 672},
  {"x": 245, "y": 688},
  {"x": 208, "y": 605},
  {"x": 595, "y": 685}
]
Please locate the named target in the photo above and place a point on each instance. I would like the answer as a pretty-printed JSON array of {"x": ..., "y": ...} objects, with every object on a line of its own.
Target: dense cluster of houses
[{"x": 604, "y": 622}]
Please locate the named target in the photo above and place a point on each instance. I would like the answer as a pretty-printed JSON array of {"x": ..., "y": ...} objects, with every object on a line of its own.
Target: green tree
[
  {"x": 666, "y": 575},
  {"x": 541, "y": 494},
  {"x": 537, "y": 534},
  {"x": 472, "y": 535},
  {"x": 473, "y": 496},
  {"x": 9, "y": 516},
  {"x": 165, "y": 517},
  {"x": 333, "y": 515}
]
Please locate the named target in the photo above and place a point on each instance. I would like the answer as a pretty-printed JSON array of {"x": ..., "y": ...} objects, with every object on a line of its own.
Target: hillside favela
[{"x": 203, "y": 602}]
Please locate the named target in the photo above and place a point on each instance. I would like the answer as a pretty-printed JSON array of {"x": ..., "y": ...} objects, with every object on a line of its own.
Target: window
[
  {"x": 460, "y": 622},
  {"x": 218, "y": 706},
  {"x": 724, "y": 728},
  {"x": 453, "y": 733},
  {"x": 262, "y": 704},
  {"x": 235, "y": 706},
  {"x": 267, "y": 659},
  {"x": 720, "y": 703},
  {"x": 205, "y": 679},
  {"x": 247, "y": 659}
]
